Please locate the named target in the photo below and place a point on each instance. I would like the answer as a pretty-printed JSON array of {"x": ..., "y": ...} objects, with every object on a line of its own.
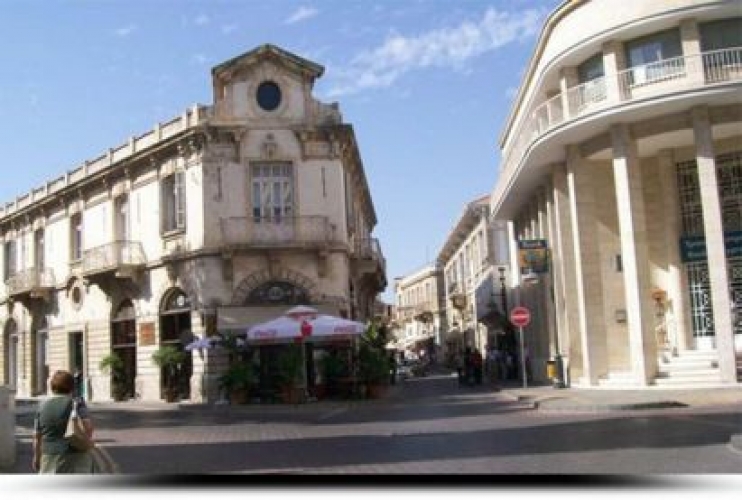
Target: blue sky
[{"x": 426, "y": 84}]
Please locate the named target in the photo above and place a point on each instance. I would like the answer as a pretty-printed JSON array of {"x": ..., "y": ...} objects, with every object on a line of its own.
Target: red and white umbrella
[{"x": 304, "y": 322}]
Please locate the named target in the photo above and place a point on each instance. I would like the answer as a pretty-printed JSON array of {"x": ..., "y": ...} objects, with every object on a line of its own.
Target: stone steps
[{"x": 689, "y": 369}]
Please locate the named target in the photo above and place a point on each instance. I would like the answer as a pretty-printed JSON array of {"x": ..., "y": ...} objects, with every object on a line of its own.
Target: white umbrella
[
  {"x": 282, "y": 327},
  {"x": 302, "y": 312},
  {"x": 201, "y": 343},
  {"x": 325, "y": 325},
  {"x": 315, "y": 326}
]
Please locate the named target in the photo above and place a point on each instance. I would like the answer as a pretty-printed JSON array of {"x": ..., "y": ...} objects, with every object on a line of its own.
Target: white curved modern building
[{"x": 623, "y": 155}]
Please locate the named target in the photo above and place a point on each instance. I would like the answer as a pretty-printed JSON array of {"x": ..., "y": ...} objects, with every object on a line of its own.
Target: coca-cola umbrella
[{"x": 304, "y": 323}]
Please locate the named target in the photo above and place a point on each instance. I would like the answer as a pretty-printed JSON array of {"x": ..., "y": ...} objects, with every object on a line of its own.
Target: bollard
[{"x": 7, "y": 427}]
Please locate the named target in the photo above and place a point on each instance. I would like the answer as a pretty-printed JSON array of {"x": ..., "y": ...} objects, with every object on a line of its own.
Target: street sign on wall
[{"x": 533, "y": 256}]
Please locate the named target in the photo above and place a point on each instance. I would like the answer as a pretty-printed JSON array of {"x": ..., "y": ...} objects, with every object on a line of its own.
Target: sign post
[{"x": 520, "y": 316}]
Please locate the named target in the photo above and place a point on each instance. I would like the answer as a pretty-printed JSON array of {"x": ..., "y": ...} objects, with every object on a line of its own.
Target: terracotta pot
[
  {"x": 290, "y": 394},
  {"x": 239, "y": 396}
]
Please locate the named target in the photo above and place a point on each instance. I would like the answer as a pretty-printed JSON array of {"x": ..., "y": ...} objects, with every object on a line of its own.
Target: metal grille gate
[{"x": 729, "y": 175}]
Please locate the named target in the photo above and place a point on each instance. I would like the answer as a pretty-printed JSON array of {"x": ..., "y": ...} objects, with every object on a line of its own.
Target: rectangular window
[
  {"x": 591, "y": 69},
  {"x": 654, "y": 57},
  {"x": 272, "y": 191},
  {"x": 174, "y": 202},
  {"x": 76, "y": 237},
  {"x": 10, "y": 259},
  {"x": 121, "y": 221},
  {"x": 723, "y": 34},
  {"x": 39, "y": 250}
]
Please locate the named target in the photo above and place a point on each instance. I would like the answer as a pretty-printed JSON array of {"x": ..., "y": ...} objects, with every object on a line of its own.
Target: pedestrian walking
[
  {"x": 51, "y": 452},
  {"x": 460, "y": 367},
  {"x": 493, "y": 365},
  {"x": 476, "y": 362},
  {"x": 510, "y": 364}
]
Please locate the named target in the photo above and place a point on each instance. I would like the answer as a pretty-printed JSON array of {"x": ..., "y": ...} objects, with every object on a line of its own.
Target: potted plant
[
  {"x": 113, "y": 365},
  {"x": 373, "y": 370},
  {"x": 169, "y": 359},
  {"x": 238, "y": 381},
  {"x": 291, "y": 372}
]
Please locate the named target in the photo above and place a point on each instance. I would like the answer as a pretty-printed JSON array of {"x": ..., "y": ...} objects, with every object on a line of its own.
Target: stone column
[
  {"x": 690, "y": 40},
  {"x": 678, "y": 307},
  {"x": 589, "y": 279},
  {"x": 564, "y": 273},
  {"x": 634, "y": 254},
  {"x": 551, "y": 312},
  {"x": 568, "y": 78},
  {"x": 715, "y": 249},
  {"x": 614, "y": 61}
]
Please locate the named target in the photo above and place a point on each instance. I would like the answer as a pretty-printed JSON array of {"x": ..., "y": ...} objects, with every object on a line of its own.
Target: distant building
[
  {"x": 419, "y": 317},
  {"x": 466, "y": 261},
  {"x": 222, "y": 217},
  {"x": 620, "y": 183}
]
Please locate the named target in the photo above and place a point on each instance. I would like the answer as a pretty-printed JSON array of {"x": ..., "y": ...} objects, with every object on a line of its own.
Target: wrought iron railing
[
  {"x": 368, "y": 248},
  {"x": 30, "y": 279},
  {"x": 638, "y": 82},
  {"x": 113, "y": 256}
]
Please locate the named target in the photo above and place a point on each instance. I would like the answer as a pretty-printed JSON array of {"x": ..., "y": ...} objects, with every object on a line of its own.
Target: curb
[{"x": 609, "y": 407}]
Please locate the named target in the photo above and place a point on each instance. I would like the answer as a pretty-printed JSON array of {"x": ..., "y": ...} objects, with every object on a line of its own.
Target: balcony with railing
[
  {"x": 368, "y": 257},
  {"x": 308, "y": 231},
  {"x": 123, "y": 258},
  {"x": 652, "y": 80},
  {"x": 34, "y": 282}
]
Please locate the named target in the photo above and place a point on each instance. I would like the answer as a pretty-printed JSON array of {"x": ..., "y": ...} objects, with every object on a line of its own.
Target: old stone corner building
[
  {"x": 222, "y": 217},
  {"x": 623, "y": 157}
]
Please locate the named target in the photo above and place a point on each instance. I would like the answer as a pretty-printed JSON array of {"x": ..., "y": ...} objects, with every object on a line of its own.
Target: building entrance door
[
  {"x": 175, "y": 330},
  {"x": 124, "y": 345}
]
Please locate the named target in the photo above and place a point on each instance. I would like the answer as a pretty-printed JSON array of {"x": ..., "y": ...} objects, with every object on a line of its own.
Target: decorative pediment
[{"x": 293, "y": 63}]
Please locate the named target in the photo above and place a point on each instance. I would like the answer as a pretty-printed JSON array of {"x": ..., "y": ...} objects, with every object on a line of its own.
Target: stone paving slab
[{"x": 543, "y": 398}]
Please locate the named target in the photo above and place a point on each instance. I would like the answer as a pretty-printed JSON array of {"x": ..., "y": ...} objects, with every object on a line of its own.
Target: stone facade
[
  {"x": 623, "y": 152},
  {"x": 238, "y": 209},
  {"x": 419, "y": 316},
  {"x": 466, "y": 260}
]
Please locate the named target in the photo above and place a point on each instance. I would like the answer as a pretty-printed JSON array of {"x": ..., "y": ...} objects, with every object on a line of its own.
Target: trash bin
[{"x": 551, "y": 372}]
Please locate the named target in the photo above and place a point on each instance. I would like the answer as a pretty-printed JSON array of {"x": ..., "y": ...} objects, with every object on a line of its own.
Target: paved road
[{"x": 424, "y": 426}]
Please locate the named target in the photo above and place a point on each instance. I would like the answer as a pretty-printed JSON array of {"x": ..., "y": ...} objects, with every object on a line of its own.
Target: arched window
[{"x": 278, "y": 292}]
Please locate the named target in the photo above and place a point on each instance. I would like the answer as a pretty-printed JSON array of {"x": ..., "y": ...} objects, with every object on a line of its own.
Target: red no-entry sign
[{"x": 520, "y": 316}]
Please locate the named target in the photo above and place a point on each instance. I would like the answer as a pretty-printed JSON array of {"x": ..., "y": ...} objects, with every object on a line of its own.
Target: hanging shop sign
[{"x": 533, "y": 256}]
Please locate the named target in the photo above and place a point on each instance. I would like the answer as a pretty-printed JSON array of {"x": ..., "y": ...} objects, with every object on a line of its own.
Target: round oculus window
[{"x": 269, "y": 96}]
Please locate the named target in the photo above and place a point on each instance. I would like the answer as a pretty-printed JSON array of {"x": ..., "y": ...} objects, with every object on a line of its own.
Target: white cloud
[
  {"x": 301, "y": 14},
  {"x": 443, "y": 48},
  {"x": 125, "y": 30},
  {"x": 229, "y": 28},
  {"x": 199, "y": 59},
  {"x": 201, "y": 20}
]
